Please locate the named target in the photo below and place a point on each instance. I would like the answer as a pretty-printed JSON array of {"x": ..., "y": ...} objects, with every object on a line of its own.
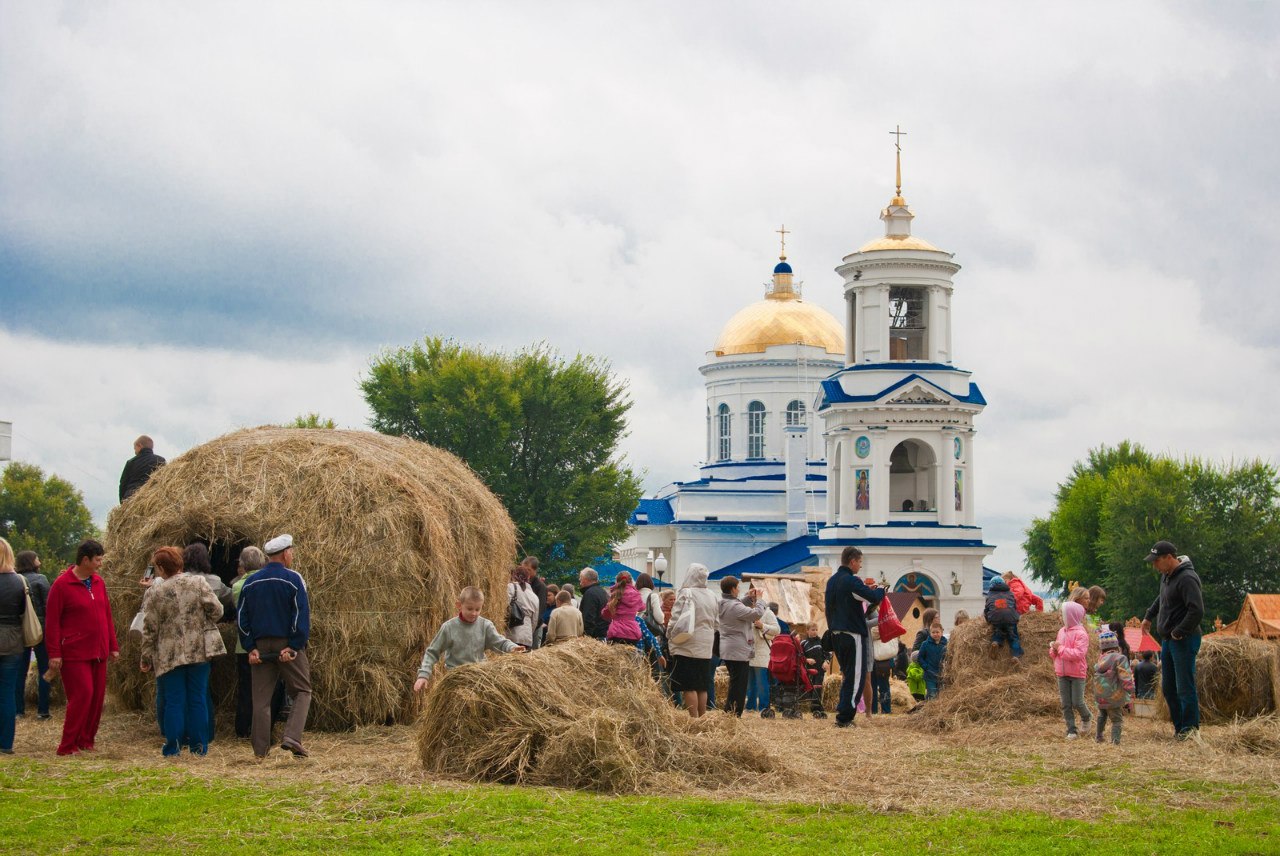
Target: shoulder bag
[{"x": 32, "y": 632}]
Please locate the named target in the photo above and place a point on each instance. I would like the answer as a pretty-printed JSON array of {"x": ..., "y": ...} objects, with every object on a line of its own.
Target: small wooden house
[{"x": 1259, "y": 618}]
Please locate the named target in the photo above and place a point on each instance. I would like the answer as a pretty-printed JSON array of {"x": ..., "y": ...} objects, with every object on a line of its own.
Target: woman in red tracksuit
[{"x": 80, "y": 637}]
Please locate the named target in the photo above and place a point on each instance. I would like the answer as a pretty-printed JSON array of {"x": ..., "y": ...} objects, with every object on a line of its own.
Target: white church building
[{"x": 885, "y": 419}]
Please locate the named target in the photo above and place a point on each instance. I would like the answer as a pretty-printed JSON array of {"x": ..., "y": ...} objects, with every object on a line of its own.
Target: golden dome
[
  {"x": 898, "y": 242},
  {"x": 780, "y": 319}
]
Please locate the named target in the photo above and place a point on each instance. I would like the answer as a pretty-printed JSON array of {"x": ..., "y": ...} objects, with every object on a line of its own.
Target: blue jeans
[
  {"x": 1007, "y": 632},
  {"x": 931, "y": 685},
  {"x": 11, "y": 666},
  {"x": 758, "y": 688},
  {"x": 1178, "y": 681},
  {"x": 881, "y": 696},
  {"x": 42, "y": 686},
  {"x": 186, "y": 711}
]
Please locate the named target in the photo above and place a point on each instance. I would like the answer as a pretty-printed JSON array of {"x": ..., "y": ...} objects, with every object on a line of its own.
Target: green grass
[{"x": 49, "y": 808}]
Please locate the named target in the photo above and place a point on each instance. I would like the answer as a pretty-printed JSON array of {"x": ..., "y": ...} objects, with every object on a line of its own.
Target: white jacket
[
  {"x": 695, "y": 595},
  {"x": 528, "y": 599},
  {"x": 764, "y": 638}
]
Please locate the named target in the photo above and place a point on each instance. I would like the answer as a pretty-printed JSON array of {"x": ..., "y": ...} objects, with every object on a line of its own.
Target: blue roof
[
  {"x": 658, "y": 512},
  {"x": 782, "y": 267},
  {"x": 774, "y": 560},
  {"x": 988, "y": 577},
  {"x": 608, "y": 572},
  {"x": 833, "y": 392}
]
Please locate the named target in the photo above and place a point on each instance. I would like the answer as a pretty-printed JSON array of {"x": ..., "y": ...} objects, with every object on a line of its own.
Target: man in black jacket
[
  {"x": 140, "y": 467},
  {"x": 539, "y": 586},
  {"x": 1177, "y": 612},
  {"x": 594, "y": 599},
  {"x": 846, "y": 619}
]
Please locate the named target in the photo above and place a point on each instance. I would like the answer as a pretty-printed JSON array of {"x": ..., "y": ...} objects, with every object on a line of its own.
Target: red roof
[{"x": 1139, "y": 641}]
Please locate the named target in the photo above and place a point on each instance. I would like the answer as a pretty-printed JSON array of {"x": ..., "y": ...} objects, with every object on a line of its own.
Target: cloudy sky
[{"x": 212, "y": 215}]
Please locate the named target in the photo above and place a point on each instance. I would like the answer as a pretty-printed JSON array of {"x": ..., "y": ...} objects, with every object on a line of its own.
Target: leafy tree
[
  {"x": 541, "y": 431},
  {"x": 1119, "y": 502},
  {"x": 310, "y": 420},
  {"x": 47, "y": 515}
]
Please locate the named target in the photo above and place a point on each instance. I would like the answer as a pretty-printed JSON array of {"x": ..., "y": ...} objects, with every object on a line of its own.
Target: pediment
[{"x": 918, "y": 393}]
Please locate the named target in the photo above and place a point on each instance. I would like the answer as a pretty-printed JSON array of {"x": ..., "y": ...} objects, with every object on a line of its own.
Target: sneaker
[
  {"x": 1099, "y": 739},
  {"x": 1192, "y": 735},
  {"x": 840, "y": 723},
  {"x": 44, "y": 716},
  {"x": 1071, "y": 735}
]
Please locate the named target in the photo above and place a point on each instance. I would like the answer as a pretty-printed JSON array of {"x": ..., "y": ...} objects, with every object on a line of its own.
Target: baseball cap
[{"x": 1161, "y": 548}]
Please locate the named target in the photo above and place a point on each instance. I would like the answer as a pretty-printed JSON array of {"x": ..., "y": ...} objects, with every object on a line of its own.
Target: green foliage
[
  {"x": 310, "y": 420},
  {"x": 541, "y": 431},
  {"x": 47, "y": 515},
  {"x": 1120, "y": 501}
]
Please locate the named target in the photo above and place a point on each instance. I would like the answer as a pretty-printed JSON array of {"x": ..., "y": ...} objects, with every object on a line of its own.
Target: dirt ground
[{"x": 884, "y": 764}]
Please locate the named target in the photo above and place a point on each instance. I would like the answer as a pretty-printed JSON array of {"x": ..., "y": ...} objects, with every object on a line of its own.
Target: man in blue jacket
[
  {"x": 846, "y": 619},
  {"x": 274, "y": 623}
]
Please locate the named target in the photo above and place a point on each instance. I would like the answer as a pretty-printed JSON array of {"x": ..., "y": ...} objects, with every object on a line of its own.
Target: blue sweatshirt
[
  {"x": 273, "y": 602},
  {"x": 932, "y": 654},
  {"x": 844, "y": 598}
]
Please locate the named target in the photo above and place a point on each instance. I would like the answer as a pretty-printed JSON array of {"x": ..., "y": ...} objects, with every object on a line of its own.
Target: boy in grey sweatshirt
[{"x": 463, "y": 639}]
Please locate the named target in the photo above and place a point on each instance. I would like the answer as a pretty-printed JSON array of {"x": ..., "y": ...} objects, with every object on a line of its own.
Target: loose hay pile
[
  {"x": 577, "y": 715},
  {"x": 1259, "y": 735},
  {"x": 1236, "y": 676},
  {"x": 899, "y": 694},
  {"x": 386, "y": 529},
  {"x": 979, "y": 688}
]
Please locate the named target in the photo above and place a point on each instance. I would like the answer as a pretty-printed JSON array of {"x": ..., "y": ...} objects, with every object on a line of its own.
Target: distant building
[
  {"x": 6, "y": 441},
  {"x": 1259, "y": 618}
]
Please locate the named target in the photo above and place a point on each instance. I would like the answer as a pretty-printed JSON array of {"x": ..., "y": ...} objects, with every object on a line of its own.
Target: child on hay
[
  {"x": 463, "y": 639},
  {"x": 1001, "y": 612},
  {"x": 816, "y": 661},
  {"x": 932, "y": 652},
  {"x": 1070, "y": 652},
  {"x": 1115, "y": 684}
]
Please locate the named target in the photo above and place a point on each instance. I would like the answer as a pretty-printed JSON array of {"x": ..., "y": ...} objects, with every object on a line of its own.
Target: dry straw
[
  {"x": 387, "y": 531},
  {"x": 979, "y": 685},
  {"x": 899, "y": 694},
  {"x": 1236, "y": 676},
  {"x": 578, "y": 715}
]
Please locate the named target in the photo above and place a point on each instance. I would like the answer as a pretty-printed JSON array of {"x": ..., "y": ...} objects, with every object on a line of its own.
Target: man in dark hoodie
[
  {"x": 594, "y": 598},
  {"x": 1177, "y": 612},
  {"x": 1001, "y": 612},
  {"x": 140, "y": 467},
  {"x": 846, "y": 619}
]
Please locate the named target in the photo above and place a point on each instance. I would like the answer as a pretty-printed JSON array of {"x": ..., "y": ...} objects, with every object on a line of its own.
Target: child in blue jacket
[{"x": 932, "y": 652}]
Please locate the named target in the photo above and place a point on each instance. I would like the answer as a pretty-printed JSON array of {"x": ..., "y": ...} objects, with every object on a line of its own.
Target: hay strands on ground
[{"x": 577, "y": 715}]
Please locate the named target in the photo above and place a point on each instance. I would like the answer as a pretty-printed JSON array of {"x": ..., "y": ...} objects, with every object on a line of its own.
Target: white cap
[{"x": 278, "y": 544}]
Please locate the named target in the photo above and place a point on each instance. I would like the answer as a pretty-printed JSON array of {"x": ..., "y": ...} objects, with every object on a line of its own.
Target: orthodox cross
[
  {"x": 783, "y": 232},
  {"x": 897, "y": 133}
]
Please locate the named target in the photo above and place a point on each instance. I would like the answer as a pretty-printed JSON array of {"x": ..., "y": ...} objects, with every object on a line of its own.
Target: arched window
[
  {"x": 755, "y": 429},
  {"x": 725, "y": 421},
  {"x": 795, "y": 412}
]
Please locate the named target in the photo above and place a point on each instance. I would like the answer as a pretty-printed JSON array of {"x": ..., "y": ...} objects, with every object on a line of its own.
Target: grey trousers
[
  {"x": 1071, "y": 694},
  {"x": 1116, "y": 714},
  {"x": 296, "y": 675}
]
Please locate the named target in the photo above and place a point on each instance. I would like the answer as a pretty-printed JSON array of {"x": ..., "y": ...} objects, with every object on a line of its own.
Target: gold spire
[
  {"x": 783, "y": 232},
  {"x": 898, "y": 134}
]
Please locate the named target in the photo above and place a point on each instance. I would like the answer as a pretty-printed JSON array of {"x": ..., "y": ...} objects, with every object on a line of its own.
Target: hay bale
[
  {"x": 899, "y": 694},
  {"x": 576, "y": 715},
  {"x": 1236, "y": 676},
  {"x": 1259, "y": 735},
  {"x": 977, "y": 687},
  {"x": 387, "y": 531}
]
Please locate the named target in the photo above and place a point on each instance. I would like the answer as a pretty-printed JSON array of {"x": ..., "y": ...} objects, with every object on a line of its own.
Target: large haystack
[
  {"x": 386, "y": 532},
  {"x": 577, "y": 715},
  {"x": 979, "y": 688},
  {"x": 1236, "y": 676}
]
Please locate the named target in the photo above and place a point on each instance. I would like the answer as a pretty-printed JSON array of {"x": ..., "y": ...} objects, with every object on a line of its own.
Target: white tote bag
[{"x": 681, "y": 629}]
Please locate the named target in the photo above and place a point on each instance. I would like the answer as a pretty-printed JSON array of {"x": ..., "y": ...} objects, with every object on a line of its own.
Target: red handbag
[{"x": 890, "y": 627}]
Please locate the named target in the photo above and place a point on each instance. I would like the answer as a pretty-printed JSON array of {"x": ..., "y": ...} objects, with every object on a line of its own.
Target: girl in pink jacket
[
  {"x": 624, "y": 604},
  {"x": 1070, "y": 653}
]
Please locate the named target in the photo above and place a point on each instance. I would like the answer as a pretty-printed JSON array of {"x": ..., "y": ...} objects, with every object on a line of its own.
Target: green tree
[
  {"x": 1114, "y": 506},
  {"x": 310, "y": 420},
  {"x": 541, "y": 431},
  {"x": 47, "y": 515}
]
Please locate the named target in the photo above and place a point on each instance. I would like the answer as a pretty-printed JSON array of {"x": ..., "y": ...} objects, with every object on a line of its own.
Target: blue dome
[{"x": 782, "y": 267}]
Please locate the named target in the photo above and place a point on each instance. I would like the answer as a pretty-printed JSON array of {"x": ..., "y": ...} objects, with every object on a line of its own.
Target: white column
[
  {"x": 969, "y": 514},
  {"x": 833, "y": 480},
  {"x": 848, "y": 461},
  {"x": 850, "y": 327},
  {"x": 879, "y": 464},
  {"x": 947, "y": 479}
]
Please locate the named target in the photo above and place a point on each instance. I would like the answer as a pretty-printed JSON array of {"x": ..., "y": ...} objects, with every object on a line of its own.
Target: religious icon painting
[
  {"x": 959, "y": 490},
  {"x": 862, "y": 490},
  {"x": 959, "y": 448},
  {"x": 862, "y": 446}
]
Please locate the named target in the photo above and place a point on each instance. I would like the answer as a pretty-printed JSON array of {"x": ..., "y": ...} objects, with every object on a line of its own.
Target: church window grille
[
  {"x": 755, "y": 429},
  {"x": 724, "y": 420}
]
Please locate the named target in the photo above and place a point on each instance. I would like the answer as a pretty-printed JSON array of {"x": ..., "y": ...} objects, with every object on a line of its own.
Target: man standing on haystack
[
  {"x": 140, "y": 467},
  {"x": 275, "y": 623},
  {"x": 847, "y": 620},
  {"x": 1177, "y": 612}
]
